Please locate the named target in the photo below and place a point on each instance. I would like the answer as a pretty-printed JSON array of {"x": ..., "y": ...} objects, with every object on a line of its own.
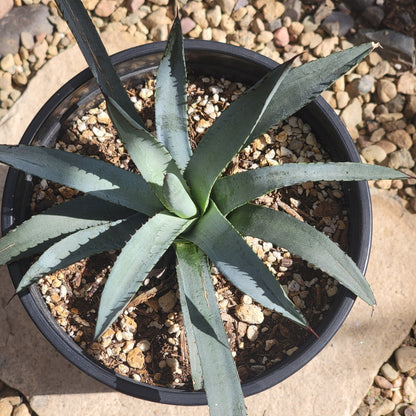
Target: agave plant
[{"x": 180, "y": 199}]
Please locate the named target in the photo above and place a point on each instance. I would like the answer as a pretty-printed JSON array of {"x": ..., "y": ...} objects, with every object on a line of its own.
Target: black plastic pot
[{"x": 208, "y": 58}]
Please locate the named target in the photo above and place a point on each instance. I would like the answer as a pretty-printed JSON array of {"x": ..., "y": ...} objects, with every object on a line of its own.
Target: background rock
[
  {"x": 5, "y": 7},
  {"x": 34, "y": 20}
]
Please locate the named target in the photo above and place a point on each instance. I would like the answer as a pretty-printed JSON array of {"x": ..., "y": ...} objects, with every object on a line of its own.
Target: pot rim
[{"x": 39, "y": 313}]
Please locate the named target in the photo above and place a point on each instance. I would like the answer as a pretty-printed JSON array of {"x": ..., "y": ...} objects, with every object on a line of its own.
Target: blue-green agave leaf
[
  {"x": 95, "y": 54},
  {"x": 177, "y": 200},
  {"x": 191, "y": 263},
  {"x": 150, "y": 156},
  {"x": 41, "y": 231},
  {"x": 134, "y": 263},
  {"x": 203, "y": 321},
  {"x": 240, "y": 265},
  {"x": 82, "y": 244},
  {"x": 235, "y": 190},
  {"x": 226, "y": 137},
  {"x": 306, "y": 82},
  {"x": 303, "y": 240},
  {"x": 171, "y": 99},
  {"x": 84, "y": 173}
]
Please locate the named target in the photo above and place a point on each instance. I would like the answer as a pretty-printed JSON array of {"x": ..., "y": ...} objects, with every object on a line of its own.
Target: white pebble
[
  {"x": 246, "y": 300},
  {"x": 81, "y": 127},
  {"x": 144, "y": 345},
  {"x": 252, "y": 333},
  {"x": 98, "y": 132}
]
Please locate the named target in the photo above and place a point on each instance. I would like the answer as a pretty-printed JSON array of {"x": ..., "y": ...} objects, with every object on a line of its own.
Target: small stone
[
  {"x": 264, "y": 37},
  {"x": 6, "y": 81},
  {"x": 187, "y": 24},
  {"x": 339, "y": 84},
  {"x": 26, "y": 39},
  {"x": 410, "y": 411},
  {"x": 401, "y": 138},
  {"x": 397, "y": 397},
  {"x": 246, "y": 300},
  {"x": 377, "y": 135},
  {"x": 323, "y": 11},
  {"x": 373, "y": 15},
  {"x": 12, "y": 396},
  {"x": 293, "y": 9},
  {"x": 219, "y": 35},
  {"x": 407, "y": 84},
  {"x": 311, "y": 39},
  {"x": 251, "y": 314},
  {"x": 128, "y": 324},
  {"x": 21, "y": 410},
  {"x": 105, "y": 7},
  {"x": 174, "y": 329},
  {"x": 7, "y": 63},
  {"x": 40, "y": 49},
  {"x": 281, "y": 37},
  {"x": 227, "y": 23},
  {"x": 410, "y": 108},
  {"x": 389, "y": 372},
  {"x": 363, "y": 68},
  {"x": 388, "y": 147},
  {"x": 252, "y": 333},
  {"x": 272, "y": 10},
  {"x": 383, "y": 408},
  {"x": 405, "y": 358},
  {"x": 257, "y": 26},
  {"x": 365, "y": 84},
  {"x": 227, "y": 6},
  {"x": 269, "y": 344},
  {"x": 384, "y": 184},
  {"x": 326, "y": 47},
  {"x": 402, "y": 159},
  {"x": 352, "y": 114},
  {"x": 396, "y": 105},
  {"x": 214, "y": 16},
  {"x": 409, "y": 390},
  {"x": 296, "y": 28},
  {"x": 342, "y": 98},
  {"x": 329, "y": 97},
  {"x": 386, "y": 90},
  {"x": 374, "y": 58},
  {"x": 374, "y": 153},
  {"x": 382, "y": 382},
  {"x": 368, "y": 111},
  {"x": 144, "y": 345},
  {"x": 103, "y": 118},
  {"x": 135, "y": 358},
  {"x": 134, "y": 5},
  {"x": 6, "y": 408},
  {"x": 309, "y": 25},
  {"x": 173, "y": 363},
  {"x": 338, "y": 24},
  {"x": 90, "y": 4},
  {"x": 200, "y": 18},
  {"x": 245, "y": 38},
  {"x": 381, "y": 69},
  {"x": 157, "y": 18},
  {"x": 167, "y": 301}
]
